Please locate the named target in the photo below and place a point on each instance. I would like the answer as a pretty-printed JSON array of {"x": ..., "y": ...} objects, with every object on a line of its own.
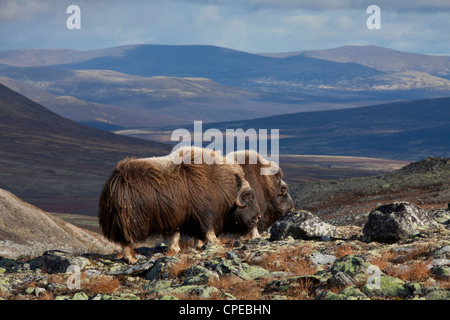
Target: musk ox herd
[{"x": 161, "y": 197}]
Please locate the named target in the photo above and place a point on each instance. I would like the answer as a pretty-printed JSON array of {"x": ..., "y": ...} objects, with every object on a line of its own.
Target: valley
[{"x": 340, "y": 115}]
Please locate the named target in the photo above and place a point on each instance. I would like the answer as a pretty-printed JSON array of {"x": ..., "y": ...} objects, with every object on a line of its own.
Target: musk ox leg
[
  {"x": 128, "y": 254},
  {"x": 198, "y": 243},
  {"x": 211, "y": 237},
  {"x": 174, "y": 243},
  {"x": 254, "y": 233}
]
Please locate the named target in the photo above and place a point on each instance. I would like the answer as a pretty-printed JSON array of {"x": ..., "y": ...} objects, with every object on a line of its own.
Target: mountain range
[
  {"x": 379, "y": 58},
  {"x": 156, "y": 85},
  {"x": 407, "y": 130}
]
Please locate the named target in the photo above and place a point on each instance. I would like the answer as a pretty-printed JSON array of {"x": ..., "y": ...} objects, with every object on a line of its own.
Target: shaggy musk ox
[
  {"x": 272, "y": 193},
  {"x": 155, "y": 196}
]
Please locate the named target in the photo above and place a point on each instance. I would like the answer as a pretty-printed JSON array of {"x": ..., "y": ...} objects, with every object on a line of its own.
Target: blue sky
[{"x": 252, "y": 26}]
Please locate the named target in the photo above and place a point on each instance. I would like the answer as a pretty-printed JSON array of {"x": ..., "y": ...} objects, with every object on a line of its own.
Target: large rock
[
  {"x": 397, "y": 221},
  {"x": 301, "y": 224}
]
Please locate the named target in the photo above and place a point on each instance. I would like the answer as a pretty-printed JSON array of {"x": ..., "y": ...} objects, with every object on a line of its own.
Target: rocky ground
[
  {"x": 348, "y": 201},
  {"x": 302, "y": 258}
]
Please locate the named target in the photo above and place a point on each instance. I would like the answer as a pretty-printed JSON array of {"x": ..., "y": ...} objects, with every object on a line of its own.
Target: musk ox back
[
  {"x": 272, "y": 193},
  {"x": 155, "y": 196}
]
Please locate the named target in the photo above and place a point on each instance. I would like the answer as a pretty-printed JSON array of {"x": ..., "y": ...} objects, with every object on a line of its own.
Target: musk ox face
[
  {"x": 271, "y": 192},
  {"x": 283, "y": 200},
  {"x": 245, "y": 216}
]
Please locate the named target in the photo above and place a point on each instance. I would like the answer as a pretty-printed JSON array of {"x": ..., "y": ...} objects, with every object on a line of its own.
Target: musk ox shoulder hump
[
  {"x": 251, "y": 157},
  {"x": 164, "y": 163}
]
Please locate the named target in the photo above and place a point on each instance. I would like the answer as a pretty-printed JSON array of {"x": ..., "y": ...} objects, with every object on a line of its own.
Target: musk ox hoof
[
  {"x": 174, "y": 243},
  {"x": 128, "y": 255}
]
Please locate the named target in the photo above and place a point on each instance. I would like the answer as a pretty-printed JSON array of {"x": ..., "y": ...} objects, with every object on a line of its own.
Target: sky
[{"x": 253, "y": 26}]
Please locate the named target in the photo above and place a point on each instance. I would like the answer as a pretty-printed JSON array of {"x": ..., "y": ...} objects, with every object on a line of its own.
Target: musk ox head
[
  {"x": 272, "y": 193},
  {"x": 246, "y": 215}
]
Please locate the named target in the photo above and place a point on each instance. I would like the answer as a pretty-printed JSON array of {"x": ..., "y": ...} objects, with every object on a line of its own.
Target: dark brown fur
[{"x": 142, "y": 198}]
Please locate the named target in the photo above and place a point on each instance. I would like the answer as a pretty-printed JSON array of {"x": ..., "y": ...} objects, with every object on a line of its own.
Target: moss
[
  {"x": 349, "y": 293},
  {"x": 388, "y": 287}
]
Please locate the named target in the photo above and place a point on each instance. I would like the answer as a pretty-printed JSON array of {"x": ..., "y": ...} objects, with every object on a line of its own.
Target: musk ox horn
[{"x": 244, "y": 196}]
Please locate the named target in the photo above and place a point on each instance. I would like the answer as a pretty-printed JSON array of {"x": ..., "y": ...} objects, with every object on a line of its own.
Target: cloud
[
  {"x": 330, "y": 5},
  {"x": 252, "y": 25},
  {"x": 23, "y": 10}
]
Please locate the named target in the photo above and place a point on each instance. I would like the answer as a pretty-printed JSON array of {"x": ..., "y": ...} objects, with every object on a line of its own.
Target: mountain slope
[
  {"x": 49, "y": 57},
  {"x": 223, "y": 65},
  {"x": 28, "y": 231},
  {"x": 410, "y": 130},
  {"x": 104, "y": 115},
  {"x": 385, "y": 59},
  {"x": 127, "y": 100},
  {"x": 179, "y": 84},
  {"x": 54, "y": 162}
]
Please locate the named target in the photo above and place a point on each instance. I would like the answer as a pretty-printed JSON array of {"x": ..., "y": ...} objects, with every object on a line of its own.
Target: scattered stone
[
  {"x": 340, "y": 280},
  {"x": 441, "y": 215},
  {"x": 265, "y": 265},
  {"x": 161, "y": 268},
  {"x": 438, "y": 295},
  {"x": 302, "y": 224},
  {"x": 56, "y": 261},
  {"x": 239, "y": 268},
  {"x": 197, "y": 275},
  {"x": 349, "y": 293},
  {"x": 9, "y": 265},
  {"x": 354, "y": 266},
  {"x": 140, "y": 267},
  {"x": 80, "y": 296},
  {"x": 395, "y": 222},
  {"x": 322, "y": 259}
]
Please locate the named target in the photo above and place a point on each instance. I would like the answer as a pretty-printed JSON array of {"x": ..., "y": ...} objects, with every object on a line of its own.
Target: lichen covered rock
[
  {"x": 397, "y": 221},
  {"x": 302, "y": 224}
]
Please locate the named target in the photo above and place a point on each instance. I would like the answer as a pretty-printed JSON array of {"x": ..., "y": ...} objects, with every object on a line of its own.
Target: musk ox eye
[
  {"x": 283, "y": 192},
  {"x": 238, "y": 183}
]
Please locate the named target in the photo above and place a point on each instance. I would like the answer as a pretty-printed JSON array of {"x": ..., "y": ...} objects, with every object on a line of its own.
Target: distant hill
[
  {"x": 379, "y": 58},
  {"x": 126, "y": 100},
  {"x": 153, "y": 85},
  {"x": 410, "y": 130},
  {"x": 223, "y": 65},
  {"x": 55, "y": 163},
  {"x": 49, "y": 57}
]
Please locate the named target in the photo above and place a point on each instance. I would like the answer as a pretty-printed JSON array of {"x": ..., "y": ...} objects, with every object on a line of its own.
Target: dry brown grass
[
  {"x": 241, "y": 289},
  {"x": 384, "y": 260},
  {"x": 180, "y": 267},
  {"x": 296, "y": 261},
  {"x": 343, "y": 250},
  {"x": 101, "y": 284},
  {"x": 416, "y": 270}
]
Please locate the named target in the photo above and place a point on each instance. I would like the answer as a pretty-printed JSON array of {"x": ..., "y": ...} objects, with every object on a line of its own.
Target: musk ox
[
  {"x": 156, "y": 196},
  {"x": 272, "y": 193}
]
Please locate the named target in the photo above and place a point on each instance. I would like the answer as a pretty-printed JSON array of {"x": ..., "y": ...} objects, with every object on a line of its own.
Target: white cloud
[{"x": 253, "y": 25}]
